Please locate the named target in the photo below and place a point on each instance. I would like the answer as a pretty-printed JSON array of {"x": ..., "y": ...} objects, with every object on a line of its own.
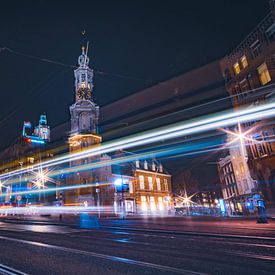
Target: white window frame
[
  {"x": 166, "y": 185},
  {"x": 158, "y": 184},
  {"x": 141, "y": 182},
  {"x": 150, "y": 183}
]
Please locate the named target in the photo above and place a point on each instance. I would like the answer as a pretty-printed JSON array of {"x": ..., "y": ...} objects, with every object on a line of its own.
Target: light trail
[
  {"x": 160, "y": 134},
  {"x": 60, "y": 188},
  {"x": 53, "y": 210},
  {"x": 174, "y": 152}
]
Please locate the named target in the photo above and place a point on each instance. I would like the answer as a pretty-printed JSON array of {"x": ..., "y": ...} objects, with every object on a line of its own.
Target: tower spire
[{"x": 83, "y": 77}]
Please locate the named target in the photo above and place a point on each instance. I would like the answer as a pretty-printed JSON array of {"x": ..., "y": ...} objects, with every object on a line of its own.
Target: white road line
[
  {"x": 106, "y": 257},
  {"x": 191, "y": 233}
]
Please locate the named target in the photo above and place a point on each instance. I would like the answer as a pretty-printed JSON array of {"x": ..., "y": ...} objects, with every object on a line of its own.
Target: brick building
[
  {"x": 249, "y": 73},
  {"x": 150, "y": 190}
]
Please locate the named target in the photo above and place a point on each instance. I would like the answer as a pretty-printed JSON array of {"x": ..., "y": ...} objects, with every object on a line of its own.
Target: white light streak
[{"x": 174, "y": 131}]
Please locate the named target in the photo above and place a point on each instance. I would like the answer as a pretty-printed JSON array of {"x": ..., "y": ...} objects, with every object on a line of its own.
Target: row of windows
[
  {"x": 229, "y": 179},
  {"x": 260, "y": 145},
  {"x": 263, "y": 73},
  {"x": 151, "y": 184},
  {"x": 151, "y": 203},
  {"x": 230, "y": 192},
  {"x": 226, "y": 169},
  {"x": 241, "y": 64},
  {"x": 243, "y": 86}
]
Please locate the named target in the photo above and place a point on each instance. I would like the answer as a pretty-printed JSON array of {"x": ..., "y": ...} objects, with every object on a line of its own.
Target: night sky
[{"x": 134, "y": 43}]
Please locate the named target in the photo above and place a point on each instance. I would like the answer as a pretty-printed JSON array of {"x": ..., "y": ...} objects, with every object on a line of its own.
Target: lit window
[
  {"x": 158, "y": 184},
  {"x": 244, "y": 62},
  {"x": 141, "y": 182},
  {"x": 165, "y": 184},
  {"x": 152, "y": 204},
  {"x": 160, "y": 201},
  {"x": 150, "y": 181},
  {"x": 31, "y": 160},
  {"x": 83, "y": 85},
  {"x": 241, "y": 168},
  {"x": 237, "y": 69},
  {"x": 137, "y": 163},
  {"x": 143, "y": 203},
  {"x": 153, "y": 166},
  {"x": 130, "y": 187},
  {"x": 264, "y": 74}
]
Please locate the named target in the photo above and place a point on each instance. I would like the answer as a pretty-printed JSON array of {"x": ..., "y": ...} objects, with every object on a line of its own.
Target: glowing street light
[
  {"x": 118, "y": 182},
  {"x": 41, "y": 177}
]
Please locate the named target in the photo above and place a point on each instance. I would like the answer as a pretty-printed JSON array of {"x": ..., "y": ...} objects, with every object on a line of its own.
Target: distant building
[
  {"x": 149, "y": 191},
  {"x": 230, "y": 184},
  {"x": 249, "y": 73}
]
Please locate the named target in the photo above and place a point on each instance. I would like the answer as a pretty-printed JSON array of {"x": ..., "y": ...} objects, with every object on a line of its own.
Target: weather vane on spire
[{"x": 83, "y": 58}]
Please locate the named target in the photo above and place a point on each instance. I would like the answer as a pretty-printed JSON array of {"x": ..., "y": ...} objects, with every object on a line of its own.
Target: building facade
[
  {"x": 249, "y": 73},
  {"x": 149, "y": 188}
]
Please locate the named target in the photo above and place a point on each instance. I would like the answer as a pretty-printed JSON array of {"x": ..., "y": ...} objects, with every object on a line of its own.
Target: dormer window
[
  {"x": 145, "y": 165},
  {"x": 160, "y": 168},
  {"x": 137, "y": 163},
  {"x": 153, "y": 166}
]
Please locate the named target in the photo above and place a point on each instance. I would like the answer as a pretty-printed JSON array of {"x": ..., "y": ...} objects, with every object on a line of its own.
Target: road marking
[
  {"x": 6, "y": 270},
  {"x": 194, "y": 233},
  {"x": 106, "y": 257}
]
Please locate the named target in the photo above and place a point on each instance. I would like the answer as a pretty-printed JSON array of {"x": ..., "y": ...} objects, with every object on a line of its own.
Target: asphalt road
[{"x": 137, "y": 246}]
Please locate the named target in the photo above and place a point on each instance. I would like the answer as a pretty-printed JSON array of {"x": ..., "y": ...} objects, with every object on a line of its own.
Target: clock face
[
  {"x": 84, "y": 94},
  {"x": 81, "y": 93}
]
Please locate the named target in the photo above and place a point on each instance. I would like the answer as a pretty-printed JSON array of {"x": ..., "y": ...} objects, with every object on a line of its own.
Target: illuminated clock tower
[{"x": 84, "y": 135}]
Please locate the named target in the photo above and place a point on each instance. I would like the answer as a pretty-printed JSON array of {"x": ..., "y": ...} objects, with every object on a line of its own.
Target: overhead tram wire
[
  {"x": 47, "y": 60},
  {"x": 126, "y": 77}
]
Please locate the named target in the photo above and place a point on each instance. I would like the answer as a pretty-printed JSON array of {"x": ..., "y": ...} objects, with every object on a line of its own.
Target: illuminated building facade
[
  {"x": 153, "y": 191},
  {"x": 249, "y": 73},
  {"x": 149, "y": 188}
]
